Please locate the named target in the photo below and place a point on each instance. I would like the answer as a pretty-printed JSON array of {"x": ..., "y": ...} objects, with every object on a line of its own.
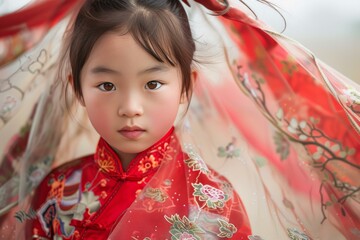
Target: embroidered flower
[
  {"x": 166, "y": 152},
  {"x": 183, "y": 228},
  {"x": 289, "y": 66},
  {"x": 103, "y": 194},
  {"x": 226, "y": 229},
  {"x": 295, "y": 234},
  {"x": 147, "y": 163},
  {"x": 103, "y": 182},
  {"x": 186, "y": 236},
  {"x": 215, "y": 198},
  {"x": 90, "y": 201},
  {"x": 229, "y": 151},
  {"x": 156, "y": 194},
  {"x": 106, "y": 165}
]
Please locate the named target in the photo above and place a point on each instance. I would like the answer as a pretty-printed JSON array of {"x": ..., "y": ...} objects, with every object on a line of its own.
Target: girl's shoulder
[
  {"x": 81, "y": 163},
  {"x": 68, "y": 172}
]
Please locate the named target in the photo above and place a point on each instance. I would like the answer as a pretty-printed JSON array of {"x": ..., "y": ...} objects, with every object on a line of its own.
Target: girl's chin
[{"x": 131, "y": 148}]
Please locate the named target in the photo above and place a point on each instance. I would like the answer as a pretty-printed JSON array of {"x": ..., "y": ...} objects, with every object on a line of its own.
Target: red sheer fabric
[
  {"x": 279, "y": 124},
  {"x": 21, "y": 30}
]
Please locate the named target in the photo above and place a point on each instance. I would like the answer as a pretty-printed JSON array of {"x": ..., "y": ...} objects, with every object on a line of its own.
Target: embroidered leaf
[
  {"x": 21, "y": 216},
  {"x": 351, "y": 152},
  {"x": 106, "y": 165},
  {"x": 183, "y": 227},
  {"x": 90, "y": 201},
  {"x": 260, "y": 161},
  {"x": 229, "y": 151},
  {"x": 282, "y": 145},
  {"x": 195, "y": 161},
  {"x": 197, "y": 165},
  {"x": 79, "y": 211},
  {"x": 226, "y": 229},
  {"x": 280, "y": 114},
  {"x": 288, "y": 204}
]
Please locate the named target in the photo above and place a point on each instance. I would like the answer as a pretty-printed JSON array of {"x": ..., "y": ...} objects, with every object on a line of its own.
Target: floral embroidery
[
  {"x": 21, "y": 216},
  {"x": 186, "y": 236},
  {"x": 47, "y": 214},
  {"x": 106, "y": 165},
  {"x": 103, "y": 194},
  {"x": 88, "y": 201},
  {"x": 260, "y": 161},
  {"x": 183, "y": 228},
  {"x": 229, "y": 151},
  {"x": 195, "y": 161},
  {"x": 37, "y": 172},
  {"x": 289, "y": 66},
  {"x": 105, "y": 162},
  {"x": 215, "y": 198},
  {"x": 148, "y": 163},
  {"x": 226, "y": 229},
  {"x": 156, "y": 194},
  {"x": 166, "y": 152},
  {"x": 103, "y": 182},
  {"x": 57, "y": 187},
  {"x": 294, "y": 234}
]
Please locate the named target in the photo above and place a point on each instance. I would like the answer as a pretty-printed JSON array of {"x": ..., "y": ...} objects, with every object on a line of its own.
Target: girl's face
[{"x": 132, "y": 99}]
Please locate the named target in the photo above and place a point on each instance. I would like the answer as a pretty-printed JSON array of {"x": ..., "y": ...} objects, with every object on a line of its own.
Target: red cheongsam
[{"x": 90, "y": 197}]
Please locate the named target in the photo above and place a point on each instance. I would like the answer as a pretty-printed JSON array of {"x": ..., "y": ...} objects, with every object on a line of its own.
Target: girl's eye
[
  {"x": 106, "y": 87},
  {"x": 153, "y": 85}
]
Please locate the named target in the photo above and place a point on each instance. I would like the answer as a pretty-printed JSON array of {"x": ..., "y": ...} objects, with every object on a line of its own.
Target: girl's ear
[
  {"x": 79, "y": 98},
  {"x": 184, "y": 96}
]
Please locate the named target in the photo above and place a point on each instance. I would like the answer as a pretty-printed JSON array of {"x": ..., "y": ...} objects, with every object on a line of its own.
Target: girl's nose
[{"x": 130, "y": 106}]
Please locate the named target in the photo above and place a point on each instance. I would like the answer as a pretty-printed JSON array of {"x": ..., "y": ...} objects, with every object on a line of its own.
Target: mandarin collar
[{"x": 142, "y": 165}]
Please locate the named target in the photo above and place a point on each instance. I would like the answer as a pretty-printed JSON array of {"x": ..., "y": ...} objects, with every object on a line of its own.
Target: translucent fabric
[{"x": 279, "y": 124}]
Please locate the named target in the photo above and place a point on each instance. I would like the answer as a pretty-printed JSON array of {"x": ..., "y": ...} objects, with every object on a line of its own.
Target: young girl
[
  {"x": 131, "y": 74},
  {"x": 279, "y": 124}
]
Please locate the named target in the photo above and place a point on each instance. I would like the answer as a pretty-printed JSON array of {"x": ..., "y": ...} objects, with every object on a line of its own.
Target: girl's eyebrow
[
  {"x": 102, "y": 69},
  {"x": 156, "y": 68}
]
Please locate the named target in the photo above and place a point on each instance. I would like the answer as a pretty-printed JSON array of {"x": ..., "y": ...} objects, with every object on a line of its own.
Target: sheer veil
[{"x": 281, "y": 125}]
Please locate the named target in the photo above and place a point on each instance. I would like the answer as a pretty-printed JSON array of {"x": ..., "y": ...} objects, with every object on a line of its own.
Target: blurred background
[{"x": 328, "y": 28}]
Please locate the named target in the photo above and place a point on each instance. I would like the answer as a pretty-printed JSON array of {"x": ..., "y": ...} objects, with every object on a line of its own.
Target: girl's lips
[{"x": 131, "y": 132}]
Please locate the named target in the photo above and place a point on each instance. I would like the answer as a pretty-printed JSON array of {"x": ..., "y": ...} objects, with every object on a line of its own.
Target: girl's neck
[{"x": 125, "y": 159}]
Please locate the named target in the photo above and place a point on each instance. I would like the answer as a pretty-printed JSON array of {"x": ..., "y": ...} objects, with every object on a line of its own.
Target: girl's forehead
[
  {"x": 116, "y": 53},
  {"x": 116, "y": 45}
]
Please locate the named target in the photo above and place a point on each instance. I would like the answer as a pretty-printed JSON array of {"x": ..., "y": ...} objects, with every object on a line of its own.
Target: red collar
[{"x": 142, "y": 165}]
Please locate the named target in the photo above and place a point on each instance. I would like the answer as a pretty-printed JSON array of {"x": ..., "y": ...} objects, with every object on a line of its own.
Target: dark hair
[{"x": 161, "y": 27}]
